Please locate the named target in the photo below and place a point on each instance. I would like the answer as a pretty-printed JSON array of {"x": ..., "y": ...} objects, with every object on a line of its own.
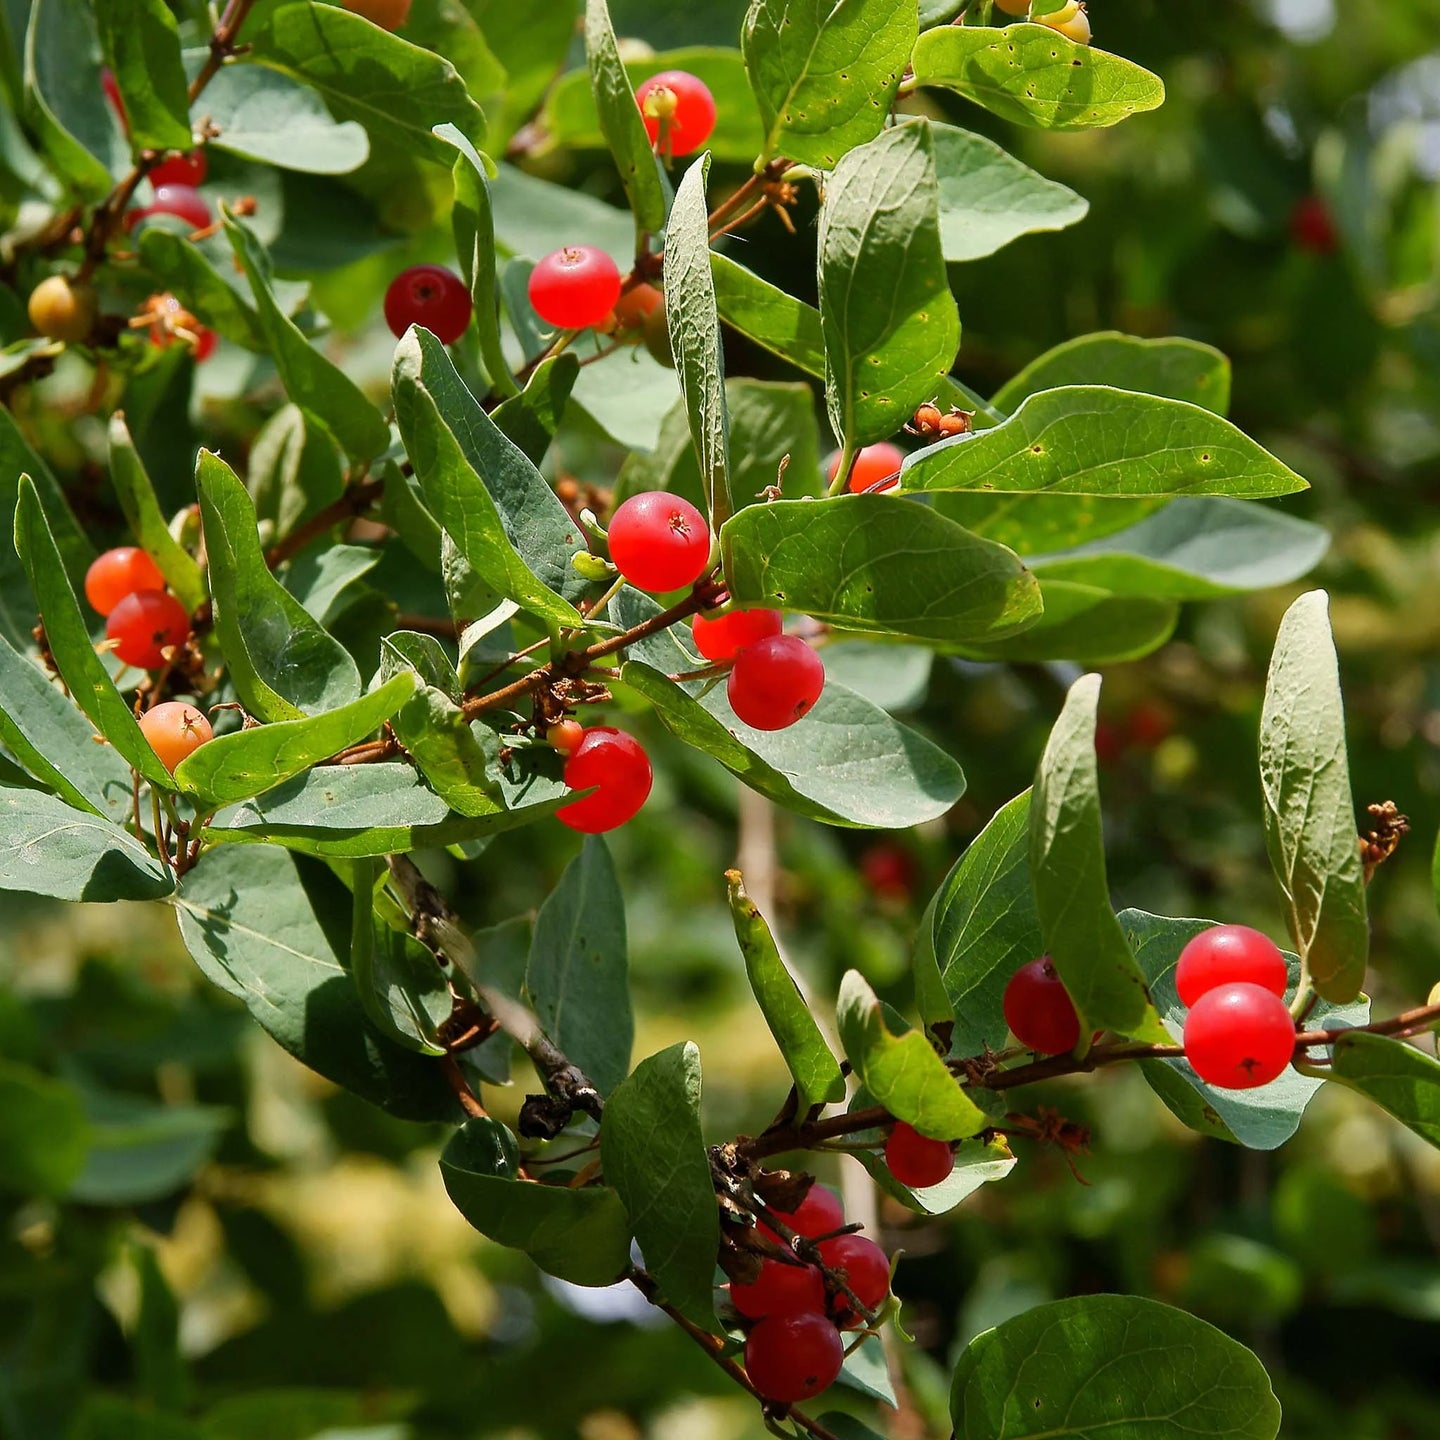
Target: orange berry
[
  {"x": 175, "y": 729},
  {"x": 387, "y": 14}
]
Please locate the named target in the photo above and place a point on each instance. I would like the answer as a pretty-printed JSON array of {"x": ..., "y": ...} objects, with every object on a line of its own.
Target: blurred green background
[{"x": 296, "y": 1247}]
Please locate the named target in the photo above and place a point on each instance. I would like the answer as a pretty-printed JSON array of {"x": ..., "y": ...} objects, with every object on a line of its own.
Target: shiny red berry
[
  {"x": 659, "y": 541},
  {"x": 183, "y": 201},
  {"x": 618, "y": 767},
  {"x": 144, "y": 625},
  {"x": 679, "y": 111},
  {"x": 792, "y": 1357},
  {"x": 175, "y": 730},
  {"x": 428, "y": 295},
  {"x": 726, "y": 635},
  {"x": 774, "y": 682},
  {"x": 1224, "y": 954},
  {"x": 866, "y": 1271},
  {"x": 819, "y": 1213},
  {"x": 1039, "y": 1011},
  {"x": 780, "y": 1289},
  {"x": 874, "y": 464},
  {"x": 1239, "y": 1036},
  {"x": 574, "y": 287},
  {"x": 118, "y": 573},
  {"x": 185, "y": 167},
  {"x": 915, "y": 1159}
]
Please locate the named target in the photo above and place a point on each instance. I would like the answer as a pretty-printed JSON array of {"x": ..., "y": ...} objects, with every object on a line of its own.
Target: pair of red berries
[
  {"x": 794, "y": 1349},
  {"x": 610, "y": 763},
  {"x": 775, "y": 679},
  {"x": 143, "y": 618},
  {"x": 174, "y": 196}
]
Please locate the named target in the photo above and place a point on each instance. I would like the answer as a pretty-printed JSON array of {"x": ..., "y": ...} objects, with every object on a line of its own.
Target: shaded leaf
[
  {"x": 142, "y": 1151},
  {"x": 142, "y": 43},
  {"x": 44, "y": 1136},
  {"x": 1400, "y": 1079},
  {"x": 403, "y": 990},
  {"x": 531, "y": 418}
]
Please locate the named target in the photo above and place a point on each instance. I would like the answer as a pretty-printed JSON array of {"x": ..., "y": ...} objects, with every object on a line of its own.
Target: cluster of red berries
[
  {"x": 609, "y": 763},
  {"x": 1239, "y": 1032},
  {"x": 876, "y": 468},
  {"x": 775, "y": 679},
  {"x": 793, "y": 1350}
]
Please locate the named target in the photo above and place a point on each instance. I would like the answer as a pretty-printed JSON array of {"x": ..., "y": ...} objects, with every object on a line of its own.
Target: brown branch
[
  {"x": 357, "y": 498},
  {"x": 222, "y": 45},
  {"x": 469, "y": 1103}
]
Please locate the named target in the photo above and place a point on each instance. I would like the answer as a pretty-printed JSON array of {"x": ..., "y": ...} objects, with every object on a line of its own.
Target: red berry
[
  {"x": 875, "y": 463},
  {"x": 819, "y": 1213},
  {"x": 183, "y": 201},
  {"x": 780, "y": 1289},
  {"x": 774, "y": 682},
  {"x": 185, "y": 167},
  {"x": 566, "y": 735},
  {"x": 387, "y": 14},
  {"x": 1039, "y": 1010},
  {"x": 867, "y": 1273},
  {"x": 1311, "y": 226},
  {"x": 792, "y": 1357},
  {"x": 679, "y": 111},
  {"x": 915, "y": 1159},
  {"x": 617, "y": 765},
  {"x": 1239, "y": 1036},
  {"x": 726, "y": 635},
  {"x": 145, "y": 624},
  {"x": 659, "y": 541},
  {"x": 1225, "y": 954},
  {"x": 889, "y": 872},
  {"x": 428, "y": 295},
  {"x": 574, "y": 287},
  {"x": 205, "y": 343},
  {"x": 118, "y": 573},
  {"x": 175, "y": 730},
  {"x": 111, "y": 87},
  {"x": 1148, "y": 723}
]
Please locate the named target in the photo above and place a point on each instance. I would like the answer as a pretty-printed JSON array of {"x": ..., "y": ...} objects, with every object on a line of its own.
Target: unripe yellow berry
[
  {"x": 60, "y": 310},
  {"x": 1071, "y": 21}
]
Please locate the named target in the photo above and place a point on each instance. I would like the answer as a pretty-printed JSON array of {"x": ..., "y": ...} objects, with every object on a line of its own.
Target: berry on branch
[
  {"x": 428, "y": 295},
  {"x": 726, "y": 635},
  {"x": 618, "y": 768},
  {"x": 1239, "y": 1036},
  {"x": 1224, "y": 954},
  {"x": 387, "y": 14},
  {"x": 1070, "y": 20},
  {"x": 565, "y": 736},
  {"x": 819, "y": 1213},
  {"x": 873, "y": 466},
  {"x": 184, "y": 202},
  {"x": 659, "y": 541},
  {"x": 118, "y": 573},
  {"x": 575, "y": 287},
  {"x": 678, "y": 110},
  {"x": 61, "y": 309},
  {"x": 144, "y": 625},
  {"x": 184, "y": 167},
  {"x": 867, "y": 1273},
  {"x": 780, "y": 1289},
  {"x": 175, "y": 730},
  {"x": 1039, "y": 1011},
  {"x": 792, "y": 1357},
  {"x": 633, "y": 309},
  {"x": 774, "y": 682},
  {"x": 916, "y": 1160}
]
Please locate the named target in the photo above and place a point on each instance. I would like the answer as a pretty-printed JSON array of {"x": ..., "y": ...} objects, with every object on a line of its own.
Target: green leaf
[
  {"x": 142, "y": 1151},
  {"x": 824, "y": 74},
  {"x": 447, "y": 752},
  {"x": 479, "y": 485},
  {"x": 534, "y": 217},
  {"x": 846, "y": 763},
  {"x": 249, "y": 923},
  {"x": 160, "y": 1370},
  {"x": 1085, "y": 624},
  {"x": 815, "y": 1070},
  {"x": 1263, "y": 1118},
  {"x": 403, "y": 990},
  {"x": 1400, "y": 1079},
  {"x": 271, "y": 118},
  {"x": 319, "y": 579},
  {"x": 977, "y": 1163},
  {"x": 531, "y": 42},
  {"x": 51, "y": 849},
  {"x": 902, "y": 1072},
  {"x": 531, "y": 418},
  {"x": 142, "y": 43},
  {"x": 44, "y": 1136},
  {"x": 80, "y": 667},
  {"x": 695, "y": 337},
  {"x": 887, "y": 347},
  {"x": 769, "y": 316},
  {"x": 472, "y": 220},
  {"x": 984, "y": 926},
  {"x": 283, "y": 665},
  {"x": 292, "y": 1413},
  {"x": 1310, "y": 828},
  {"x": 1171, "y": 366},
  {"x": 248, "y": 762},
  {"x": 295, "y": 469},
  {"x": 878, "y": 565},
  {"x": 1114, "y": 1364},
  {"x": 1196, "y": 548},
  {"x": 1033, "y": 75},
  {"x": 394, "y": 89},
  {"x": 184, "y": 269},
  {"x": 578, "y": 974},
  {"x": 621, "y": 122},
  {"x": 654, "y": 1154},
  {"x": 579, "y": 1235},
  {"x": 106, "y": 1417},
  {"x": 988, "y": 198},
  {"x": 142, "y": 513},
  {"x": 1067, "y": 870},
  {"x": 45, "y": 732},
  {"x": 322, "y": 390},
  {"x": 1093, "y": 440}
]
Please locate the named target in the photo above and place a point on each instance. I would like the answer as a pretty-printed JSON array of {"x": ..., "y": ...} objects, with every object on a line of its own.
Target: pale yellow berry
[{"x": 61, "y": 310}]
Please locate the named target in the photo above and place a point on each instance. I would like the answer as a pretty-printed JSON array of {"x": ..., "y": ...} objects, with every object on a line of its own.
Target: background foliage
[{"x": 316, "y": 1247}]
